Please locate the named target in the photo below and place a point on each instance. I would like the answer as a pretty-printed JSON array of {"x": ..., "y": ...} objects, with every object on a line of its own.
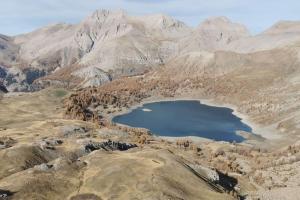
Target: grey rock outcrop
[
  {"x": 43, "y": 167},
  {"x": 92, "y": 76},
  {"x": 108, "y": 146},
  {"x": 3, "y": 89},
  {"x": 5, "y": 194},
  {"x": 16, "y": 79}
]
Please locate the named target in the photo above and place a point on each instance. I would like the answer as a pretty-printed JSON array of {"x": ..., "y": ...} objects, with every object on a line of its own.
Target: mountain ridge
[{"x": 122, "y": 45}]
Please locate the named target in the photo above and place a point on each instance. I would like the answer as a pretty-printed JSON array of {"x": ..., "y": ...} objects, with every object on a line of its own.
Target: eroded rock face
[
  {"x": 108, "y": 146},
  {"x": 50, "y": 143},
  {"x": 23, "y": 157}
]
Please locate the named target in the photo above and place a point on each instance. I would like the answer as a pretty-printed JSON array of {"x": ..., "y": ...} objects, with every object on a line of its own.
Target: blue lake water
[{"x": 186, "y": 118}]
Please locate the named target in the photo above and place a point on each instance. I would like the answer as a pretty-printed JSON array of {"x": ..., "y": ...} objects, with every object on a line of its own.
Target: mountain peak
[
  {"x": 101, "y": 14},
  {"x": 217, "y": 19},
  {"x": 223, "y": 24},
  {"x": 162, "y": 21},
  {"x": 284, "y": 26},
  {"x": 213, "y": 34},
  {"x": 105, "y": 13}
]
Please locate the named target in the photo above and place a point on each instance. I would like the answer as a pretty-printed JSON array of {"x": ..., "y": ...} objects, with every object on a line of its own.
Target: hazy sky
[{"x": 20, "y": 16}]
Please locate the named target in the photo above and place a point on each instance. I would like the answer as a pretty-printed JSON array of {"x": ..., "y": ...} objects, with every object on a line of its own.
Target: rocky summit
[{"x": 61, "y": 86}]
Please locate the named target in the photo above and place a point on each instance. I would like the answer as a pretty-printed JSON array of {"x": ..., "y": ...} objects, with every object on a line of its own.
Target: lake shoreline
[{"x": 264, "y": 132}]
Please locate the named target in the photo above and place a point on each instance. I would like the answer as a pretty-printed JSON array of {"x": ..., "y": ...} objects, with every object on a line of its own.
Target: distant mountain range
[{"x": 110, "y": 44}]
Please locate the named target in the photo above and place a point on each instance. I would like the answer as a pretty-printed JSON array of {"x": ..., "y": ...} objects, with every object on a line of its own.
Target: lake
[{"x": 186, "y": 118}]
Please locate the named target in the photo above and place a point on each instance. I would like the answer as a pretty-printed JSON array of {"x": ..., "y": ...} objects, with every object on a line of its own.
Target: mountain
[
  {"x": 110, "y": 44},
  {"x": 213, "y": 34},
  {"x": 165, "y": 26},
  {"x": 109, "y": 40},
  {"x": 8, "y": 50},
  {"x": 284, "y": 27},
  {"x": 283, "y": 33}
]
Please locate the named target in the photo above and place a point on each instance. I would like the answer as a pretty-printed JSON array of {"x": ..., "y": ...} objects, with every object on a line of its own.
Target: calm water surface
[{"x": 186, "y": 118}]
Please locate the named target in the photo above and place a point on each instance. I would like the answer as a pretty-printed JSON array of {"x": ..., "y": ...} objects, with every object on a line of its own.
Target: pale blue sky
[{"x": 20, "y": 16}]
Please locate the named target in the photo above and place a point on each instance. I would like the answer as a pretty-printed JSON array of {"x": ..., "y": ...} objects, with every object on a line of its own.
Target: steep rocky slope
[{"x": 111, "y": 41}]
